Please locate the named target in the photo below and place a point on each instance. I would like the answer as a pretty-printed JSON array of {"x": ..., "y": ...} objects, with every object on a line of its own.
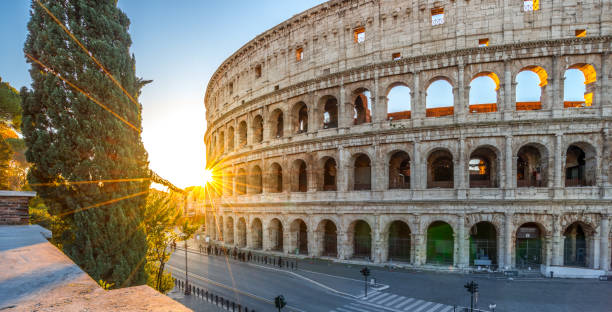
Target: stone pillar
[
  {"x": 460, "y": 102},
  {"x": 508, "y": 170},
  {"x": 557, "y": 258},
  {"x": 509, "y": 92},
  {"x": 419, "y": 249},
  {"x": 343, "y": 169},
  {"x": 558, "y": 161},
  {"x": 604, "y": 232},
  {"x": 377, "y": 245},
  {"x": 555, "y": 99},
  {"x": 462, "y": 253},
  {"x": 379, "y": 110},
  {"x": 460, "y": 179},
  {"x": 416, "y": 104},
  {"x": 379, "y": 173},
  {"x": 342, "y": 245},
  {"x": 549, "y": 242},
  {"x": 508, "y": 237},
  {"x": 415, "y": 166},
  {"x": 596, "y": 251},
  {"x": 602, "y": 97}
]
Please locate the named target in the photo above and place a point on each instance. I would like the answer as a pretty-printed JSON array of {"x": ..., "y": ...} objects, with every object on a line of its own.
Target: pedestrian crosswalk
[{"x": 391, "y": 302}]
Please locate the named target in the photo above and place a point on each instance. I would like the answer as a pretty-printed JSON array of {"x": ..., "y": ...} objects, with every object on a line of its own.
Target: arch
[
  {"x": 580, "y": 165},
  {"x": 241, "y": 231},
  {"x": 330, "y": 174},
  {"x": 399, "y": 241},
  {"x": 483, "y": 244},
  {"x": 483, "y": 168},
  {"x": 327, "y": 235},
  {"x": 242, "y": 134},
  {"x": 300, "y": 117},
  {"x": 578, "y": 244},
  {"x": 255, "y": 183},
  {"x": 399, "y": 170},
  {"x": 300, "y": 176},
  {"x": 257, "y": 129},
  {"x": 579, "y": 85},
  {"x": 230, "y": 139},
  {"x": 531, "y": 166},
  {"x": 256, "y": 234},
  {"x": 276, "y": 178},
  {"x": 529, "y": 84},
  {"x": 221, "y": 142},
  {"x": 529, "y": 246},
  {"x": 439, "y": 100},
  {"x": 229, "y": 230},
  {"x": 329, "y": 107},
  {"x": 241, "y": 182},
  {"x": 484, "y": 92},
  {"x": 399, "y": 104},
  {"x": 360, "y": 238},
  {"x": 276, "y": 235},
  {"x": 277, "y": 124},
  {"x": 362, "y": 106},
  {"x": 299, "y": 237},
  {"x": 440, "y": 243},
  {"x": 362, "y": 173},
  {"x": 440, "y": 169}
]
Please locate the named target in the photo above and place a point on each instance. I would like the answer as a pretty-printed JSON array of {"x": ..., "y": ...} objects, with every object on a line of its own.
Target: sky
[{"x": 179, "y": 45}]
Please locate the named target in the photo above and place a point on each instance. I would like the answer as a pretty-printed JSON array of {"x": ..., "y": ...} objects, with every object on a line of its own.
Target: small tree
[
  {"x": 161, "y": 216},
  {"x": 187, "y": 228}
]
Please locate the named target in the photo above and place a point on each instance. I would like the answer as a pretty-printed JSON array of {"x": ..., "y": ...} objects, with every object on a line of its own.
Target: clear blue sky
[{"x": 179, "y": 44}]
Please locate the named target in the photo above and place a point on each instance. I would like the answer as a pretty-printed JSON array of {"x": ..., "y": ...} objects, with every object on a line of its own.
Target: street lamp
[{"x": 365, "y": 272}]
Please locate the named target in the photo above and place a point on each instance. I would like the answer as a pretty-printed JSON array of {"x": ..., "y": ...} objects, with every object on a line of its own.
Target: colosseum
[{"x": 446, "y": 135}]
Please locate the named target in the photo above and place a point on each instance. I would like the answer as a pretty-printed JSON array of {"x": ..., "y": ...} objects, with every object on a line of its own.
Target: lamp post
[
  {"x": 472, "y": 288},
  {"x": 365, "y": 272},
  {"x": 280, "y": 302}
]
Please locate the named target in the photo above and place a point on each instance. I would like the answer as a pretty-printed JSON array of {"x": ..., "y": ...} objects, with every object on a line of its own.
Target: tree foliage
[
  {"x": 13, "y": 166},
  {"x": 10, "y": 105},
  {"x": 71, "y": 139}
]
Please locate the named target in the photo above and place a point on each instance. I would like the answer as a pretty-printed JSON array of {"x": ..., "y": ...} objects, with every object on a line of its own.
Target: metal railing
[{"x": 212, "y": 298}]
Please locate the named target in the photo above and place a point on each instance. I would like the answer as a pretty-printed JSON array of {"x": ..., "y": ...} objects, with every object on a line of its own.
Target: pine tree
[{"x": 70, "y": 138}]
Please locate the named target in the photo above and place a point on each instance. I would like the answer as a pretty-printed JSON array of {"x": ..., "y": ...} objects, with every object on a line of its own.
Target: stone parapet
[{"x": 14, "y": 207}]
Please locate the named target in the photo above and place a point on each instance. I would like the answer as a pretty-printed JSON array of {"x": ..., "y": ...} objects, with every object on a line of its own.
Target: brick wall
[{"x": 14, "y": 207}]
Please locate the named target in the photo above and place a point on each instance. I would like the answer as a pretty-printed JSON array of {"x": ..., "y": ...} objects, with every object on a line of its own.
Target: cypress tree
[{"x": 71, "y": 139}]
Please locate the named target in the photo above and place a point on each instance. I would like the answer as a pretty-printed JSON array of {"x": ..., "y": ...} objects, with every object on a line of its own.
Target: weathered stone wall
[
  {"x": 14, "y": 207},
  {"x": 334, "y": 66}
]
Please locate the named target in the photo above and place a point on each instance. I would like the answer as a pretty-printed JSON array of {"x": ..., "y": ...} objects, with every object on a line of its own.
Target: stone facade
[
  {"x": 299, "y": 176},
  {"x": 14, "y": 207}
]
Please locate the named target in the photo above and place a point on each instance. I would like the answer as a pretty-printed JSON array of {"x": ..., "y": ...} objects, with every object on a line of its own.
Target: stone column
[
  {"x": 342, "y": 245},
  {"x": 415, "y": 166},
  {"x": 419, "y": 249},
  {"x": 604, "y": 231},
  {"x": 508, "y": 236},
  {"x": 509, "y": 92},
  {"x": 555, "y": 99},
  {"x": 379, "y": 111},
  {"x": 462, "y": 252},
  {"x": 596, "y": 251},
  {"x": 557, "y": 258},
  {"x": 602, "y": 97},
  {"x": 379, "y": 173},
  {"x": 460, "y": 102},
  {"x": 558, "y": 161},
  {"x": 461, "y": 172},
  {"x": 509, "y": 173},
  {"x": 416, "y": 105},
  {"x": 343, "y": 169},
  {"x": 377, "y": 245}
]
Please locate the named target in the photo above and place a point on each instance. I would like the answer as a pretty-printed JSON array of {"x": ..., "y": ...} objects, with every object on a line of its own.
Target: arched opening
[
  {"x": 580, "y": 166},
  {"x": 255, "y": 185},
  {"x": 257, "y": 234},
  {"x": 330, "y": 112},
  {"x": 362, "y": 173},
  {"x": 257, "y": 129},
  {"x": 579, "y": 85},
  {"x": 440, "y": 243},
  {"x": 329, "y": 174},
  {"x": 299, "y": 237},
  {"x": 229, "y": 230},
  {"x": 399, "y": 171},
  {"x": 398, "y": 102},
  {"x": 362, "y": 107},
  {"x": 301, "y": 176},
  {"x": 483, "y": 93},
  {"x": 220, "y": 229},
  {"x": 399, "y": 242},
  {"x": 242, "y": 233},
  {"x": 440, "y": 170},
  {"x": 329, "y": 238},
  {"x": 301, "y": 118},
  {"x": 530, "y": 167},
  {"x": 242, "y": 134},
  {"x": 276, "y": 124},
  {"x": 276, "y": 235},
  {"x": 483, "y": 245},
  {"x": 230, "y": 139},
  {"x": 276, "y": 178},
  {"x": 241, "y": 183},
  {"x": 577, "y": 238},
  {"x": 222, "y": 142},
  {"x": 439, "y": 101},
  {"x": 361, "y": 239},
  {"x": 529, "y": 246},
  {"x": 530, "y": 82},
  {"x": 483, "y": 168}
]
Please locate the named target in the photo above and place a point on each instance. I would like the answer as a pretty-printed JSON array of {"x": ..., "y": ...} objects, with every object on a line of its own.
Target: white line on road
[
  {"x": 434, "y": 308},
  {"x": 423, "y": 306},
  {"x": 398, "y": 299},
  {"x": 229, "y": 287},
  {"x": 447, "y": 309},
  {"x": 386, "y": 299},
  {"x": 405, "y": 303},
  {"x": 413, "y": 305}
]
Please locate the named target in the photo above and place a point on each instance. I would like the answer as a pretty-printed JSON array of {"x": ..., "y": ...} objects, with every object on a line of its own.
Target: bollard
[
  {"x": 206, "y": 295},
  {"x": 216, "y": 300},
  {"x": 233, "y": 306},
  {"x": 239, "y": 308}
]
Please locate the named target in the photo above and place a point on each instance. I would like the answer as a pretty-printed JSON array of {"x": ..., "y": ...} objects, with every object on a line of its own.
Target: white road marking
[
  {"x": 386, "y": 299},
  {"x": 447, "y": 309},
  {"x": 423, "y": 306},
  {"x": 418, "y": 302},
  {"x": 398, "y": 299},
  {"x": 435, "y": 307}
]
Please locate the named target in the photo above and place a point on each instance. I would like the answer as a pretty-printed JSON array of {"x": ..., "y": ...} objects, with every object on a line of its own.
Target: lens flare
[{"x": 208, "y": 176}]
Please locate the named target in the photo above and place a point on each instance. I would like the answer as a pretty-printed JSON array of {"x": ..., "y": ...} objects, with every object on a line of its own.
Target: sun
[{"x": 208, "y": 176}]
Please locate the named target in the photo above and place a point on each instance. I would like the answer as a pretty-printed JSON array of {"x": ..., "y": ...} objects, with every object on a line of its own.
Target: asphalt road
[{"x": 323, "y": 286}]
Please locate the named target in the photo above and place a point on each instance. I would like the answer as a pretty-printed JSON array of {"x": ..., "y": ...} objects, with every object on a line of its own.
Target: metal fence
[
  {"x": 212, "y": 298},
  {"x": 252, "y": 256}
]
